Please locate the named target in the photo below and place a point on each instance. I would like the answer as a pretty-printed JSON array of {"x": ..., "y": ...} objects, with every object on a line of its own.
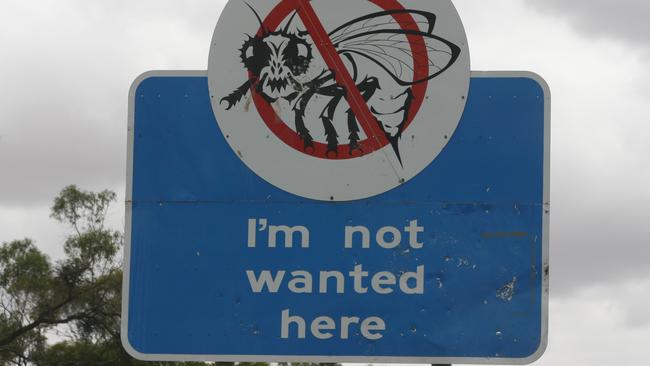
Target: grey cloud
[
  {"x": 623, "y": 19},
  {"x": 66, "y": 70},
  {"x": 592, "y": 243},
  {"x": 599, "y": 230},
  {"x": 594, "y": 326},
  {"x": 636, "y": 313}
]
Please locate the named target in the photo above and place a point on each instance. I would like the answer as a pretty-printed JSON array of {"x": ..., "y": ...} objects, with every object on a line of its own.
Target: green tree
[{"x": 80, "y": 292}]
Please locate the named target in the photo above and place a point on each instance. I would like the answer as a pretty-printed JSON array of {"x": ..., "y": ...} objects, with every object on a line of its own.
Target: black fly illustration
[{"x": 279, "y": 60}]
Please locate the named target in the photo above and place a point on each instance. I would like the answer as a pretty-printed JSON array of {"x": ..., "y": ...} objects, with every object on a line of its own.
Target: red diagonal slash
[{"x": 333, "y": 60}]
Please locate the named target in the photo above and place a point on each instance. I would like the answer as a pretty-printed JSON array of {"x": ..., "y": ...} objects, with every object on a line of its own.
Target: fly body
[{"x": 278, "y": 61}]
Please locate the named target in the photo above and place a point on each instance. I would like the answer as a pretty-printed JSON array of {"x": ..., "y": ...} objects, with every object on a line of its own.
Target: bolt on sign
[{"x": 338, "y": 186}]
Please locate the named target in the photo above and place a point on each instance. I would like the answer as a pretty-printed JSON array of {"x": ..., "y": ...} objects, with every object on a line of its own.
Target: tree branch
[{"x": 41, "y": 320}]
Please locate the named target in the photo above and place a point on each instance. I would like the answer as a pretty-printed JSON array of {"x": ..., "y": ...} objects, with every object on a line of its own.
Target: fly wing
[{"x": 387, "y": 38}]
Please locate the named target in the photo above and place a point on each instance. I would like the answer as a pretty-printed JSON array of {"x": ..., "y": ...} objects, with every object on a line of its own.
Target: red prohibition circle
[{"x": 421, "y": 70}]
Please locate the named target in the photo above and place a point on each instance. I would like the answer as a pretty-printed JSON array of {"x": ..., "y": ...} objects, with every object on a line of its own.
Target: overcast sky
[{"x": 66, "y": 66}]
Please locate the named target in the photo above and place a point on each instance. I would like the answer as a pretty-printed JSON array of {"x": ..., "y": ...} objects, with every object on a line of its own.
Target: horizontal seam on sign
[{"x": 412, "y": 203}]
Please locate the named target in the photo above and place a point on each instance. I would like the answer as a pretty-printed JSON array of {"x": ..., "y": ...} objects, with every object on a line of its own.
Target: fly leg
[
  {"x": 301, "y": 129},
  {"x": 327, "y": 116},
  {"x": 353, "y": 128},
  {"x": 330, "y": 132},
  {"x": 308, "y": 91},
  {"x": 233, "y": 98},
  {"x": 368, "y": 87}
]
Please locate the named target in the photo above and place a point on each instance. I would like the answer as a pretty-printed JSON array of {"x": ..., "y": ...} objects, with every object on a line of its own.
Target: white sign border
[{"x": 351, "y": 359}]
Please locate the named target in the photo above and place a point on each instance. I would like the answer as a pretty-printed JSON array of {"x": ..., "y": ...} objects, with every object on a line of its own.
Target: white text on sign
[{"x": 261, "y": 233}]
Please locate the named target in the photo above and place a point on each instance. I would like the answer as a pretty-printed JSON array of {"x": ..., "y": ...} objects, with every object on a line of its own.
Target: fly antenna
[
  {"x": 266, "y": 31},
  {"x": 286, "y": 27}
]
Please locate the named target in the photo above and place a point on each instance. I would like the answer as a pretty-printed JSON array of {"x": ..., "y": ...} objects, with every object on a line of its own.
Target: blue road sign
[{"x": 449, "y": 267}]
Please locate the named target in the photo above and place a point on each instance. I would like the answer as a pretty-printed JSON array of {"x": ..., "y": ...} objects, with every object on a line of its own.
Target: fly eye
[
  {"x": 302, "y": 50},
  {"x": 249, "y": 53}
]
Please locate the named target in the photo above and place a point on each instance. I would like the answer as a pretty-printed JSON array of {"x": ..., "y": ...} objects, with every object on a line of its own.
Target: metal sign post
[{"x": 338, "y": 187}]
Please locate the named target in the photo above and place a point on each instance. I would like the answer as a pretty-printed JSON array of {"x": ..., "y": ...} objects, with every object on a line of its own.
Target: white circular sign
[{"x": 338, "y": 100}]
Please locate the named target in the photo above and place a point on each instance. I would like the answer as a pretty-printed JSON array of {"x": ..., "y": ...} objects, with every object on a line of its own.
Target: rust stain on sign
[{"x": 503, "y": 234}]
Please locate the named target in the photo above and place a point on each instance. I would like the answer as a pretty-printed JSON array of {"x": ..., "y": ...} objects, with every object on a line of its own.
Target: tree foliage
[{"x": 81, "y": 291}]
